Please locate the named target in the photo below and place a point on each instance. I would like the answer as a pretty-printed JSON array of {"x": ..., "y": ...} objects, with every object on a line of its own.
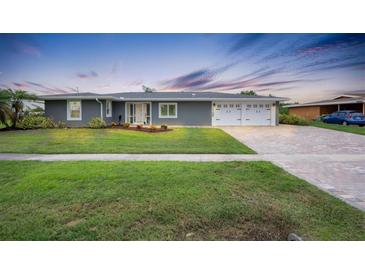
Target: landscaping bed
[
  {"x": 90, "y": 200},
  {"x": 143, "y": 129}
]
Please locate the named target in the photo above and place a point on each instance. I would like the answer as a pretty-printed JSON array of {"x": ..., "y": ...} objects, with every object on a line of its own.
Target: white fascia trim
[
  {"x": 80, "y": 98},
  {"x": 167, "y": 117},
  {"x": 69, "y": 118},
  {"x": 205, "y": 99}
]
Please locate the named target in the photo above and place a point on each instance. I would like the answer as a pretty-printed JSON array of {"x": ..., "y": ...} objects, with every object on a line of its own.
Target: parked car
[{"x": 345, "y": 117}]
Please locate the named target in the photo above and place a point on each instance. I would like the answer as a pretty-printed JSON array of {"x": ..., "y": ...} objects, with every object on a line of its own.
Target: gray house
[{"x": 171, "y": 108}]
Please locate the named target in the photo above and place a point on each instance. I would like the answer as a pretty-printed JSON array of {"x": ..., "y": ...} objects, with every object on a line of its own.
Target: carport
[{"x": 313, "y": 110}]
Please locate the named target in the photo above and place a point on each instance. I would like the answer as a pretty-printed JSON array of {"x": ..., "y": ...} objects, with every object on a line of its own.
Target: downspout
[{"x": 101, "y": 108}]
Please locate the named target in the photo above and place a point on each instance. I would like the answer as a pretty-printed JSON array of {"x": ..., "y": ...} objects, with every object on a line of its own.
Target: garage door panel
[
  {"x": 256, "y": 114},
  {"x": 227, "y": 114},
  {"x": 235, "y": 114}
]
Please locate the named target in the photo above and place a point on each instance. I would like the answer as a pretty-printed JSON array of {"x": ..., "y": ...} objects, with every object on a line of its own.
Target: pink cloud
[
  {"x": 20, "y": 85},
  {"x": 27, "y": 49}
]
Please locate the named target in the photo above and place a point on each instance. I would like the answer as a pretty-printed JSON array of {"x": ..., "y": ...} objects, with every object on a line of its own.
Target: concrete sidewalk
[
  {"x": 133, "y": 157},
  {"x": 184, "y": 157}
]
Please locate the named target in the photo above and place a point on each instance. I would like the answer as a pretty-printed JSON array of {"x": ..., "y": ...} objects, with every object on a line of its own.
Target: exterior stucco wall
[
  {"x": 118, "y": 109},
  {"x": 188, "y": 114},
  {"x": 57, "y": 110}
]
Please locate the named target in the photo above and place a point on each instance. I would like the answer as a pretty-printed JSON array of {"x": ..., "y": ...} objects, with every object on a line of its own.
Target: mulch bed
[{"x": 144, "y": 129}]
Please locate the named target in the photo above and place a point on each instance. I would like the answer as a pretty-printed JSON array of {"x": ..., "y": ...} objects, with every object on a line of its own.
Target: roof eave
[
  {"x": 205, "y": 99},
  {"x": 51, "y": 98},
  {"x": 325, "y": 104},
  {"x": 274, "y": 99}
]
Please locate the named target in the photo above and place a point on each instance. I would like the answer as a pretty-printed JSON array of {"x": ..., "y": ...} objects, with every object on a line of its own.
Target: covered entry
[
  {"x": 138, "y": 113},
  {"x": 237, "y": 114}
]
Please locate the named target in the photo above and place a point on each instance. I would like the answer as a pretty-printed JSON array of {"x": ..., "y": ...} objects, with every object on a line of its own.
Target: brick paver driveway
[{"x": 332, "y": 160}]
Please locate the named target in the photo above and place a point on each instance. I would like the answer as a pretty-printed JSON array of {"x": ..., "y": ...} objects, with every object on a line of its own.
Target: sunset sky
[{"x": 303, "y": 67}]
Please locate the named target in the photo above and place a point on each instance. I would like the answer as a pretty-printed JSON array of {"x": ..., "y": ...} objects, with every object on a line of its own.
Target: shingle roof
[{"x": 161, "y": 96}]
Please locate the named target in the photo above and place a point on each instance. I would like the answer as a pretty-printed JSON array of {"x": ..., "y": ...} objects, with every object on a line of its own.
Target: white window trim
[
  {"x": 69, "y": 118},
  {"x": 168, "y": 116},
  {"x": 110, "y": 109}
]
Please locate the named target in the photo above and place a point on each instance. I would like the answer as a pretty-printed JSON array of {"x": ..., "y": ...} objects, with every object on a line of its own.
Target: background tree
[
  {"x": 147, "y": 89},
  {"x": 16, "y": 102},
  {"x": 248, "y": 92},
  {"x": 5, "y": 111}
]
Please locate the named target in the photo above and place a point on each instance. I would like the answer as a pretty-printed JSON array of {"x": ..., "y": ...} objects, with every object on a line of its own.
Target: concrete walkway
[
  {"x": 331, "y": 160},
  {"x": 133, "y": 157}
]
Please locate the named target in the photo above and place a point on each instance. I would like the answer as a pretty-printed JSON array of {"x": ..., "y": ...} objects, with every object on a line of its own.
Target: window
[
  {"x": 167, "y": 110},
  {"x": 108, "y": 109},
  {"x": 74, "y": 110}
]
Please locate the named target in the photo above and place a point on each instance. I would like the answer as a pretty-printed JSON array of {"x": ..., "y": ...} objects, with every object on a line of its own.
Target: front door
[{"x": 138, "y": 113}]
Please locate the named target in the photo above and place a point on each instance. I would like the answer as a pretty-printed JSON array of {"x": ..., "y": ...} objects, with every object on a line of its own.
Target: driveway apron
[{"x": 331, "y": 160}]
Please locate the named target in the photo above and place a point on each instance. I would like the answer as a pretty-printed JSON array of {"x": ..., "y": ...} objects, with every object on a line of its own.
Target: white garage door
[
  {"x": 236, "y": 114},
  {"x": 227, "y": 114},
  {"x": 256, "y": 114}
]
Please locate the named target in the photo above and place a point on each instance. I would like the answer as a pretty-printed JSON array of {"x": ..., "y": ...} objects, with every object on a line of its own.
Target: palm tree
[
  {"x": 16, "y": 101},
  {"x": 5, "y": 111}
]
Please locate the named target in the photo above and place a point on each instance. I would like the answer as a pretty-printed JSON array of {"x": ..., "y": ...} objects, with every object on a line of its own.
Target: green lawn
[
  {"x": 117, "y": 200},
  {"x": 180, "y": 140},
  {"x": 350, "y": 129}
]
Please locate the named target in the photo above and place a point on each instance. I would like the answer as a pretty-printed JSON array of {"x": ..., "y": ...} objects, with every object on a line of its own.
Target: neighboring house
[
  {"x": 172, "y": 108},
  {"x": 313, "y": 110}
]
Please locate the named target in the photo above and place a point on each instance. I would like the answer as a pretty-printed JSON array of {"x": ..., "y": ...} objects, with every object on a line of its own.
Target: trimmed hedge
[{"x": 292, "y": 120}]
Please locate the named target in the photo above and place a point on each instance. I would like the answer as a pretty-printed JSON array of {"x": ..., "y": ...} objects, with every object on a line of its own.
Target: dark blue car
[{"x": 345, "y": 117}]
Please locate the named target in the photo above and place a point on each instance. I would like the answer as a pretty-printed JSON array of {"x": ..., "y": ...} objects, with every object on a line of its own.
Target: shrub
[
  {"x": 126, "y": 125},
  {"x": 153, "y": 127},
  {"x": 97, "y": 122},
  {"x": 139, "y": 126},
  {"x": 114, "y": 124},
  {"x": 164, "y": 127},
  {"x": 292, "y": 120},
  {"x": 35, "y": 121}
]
